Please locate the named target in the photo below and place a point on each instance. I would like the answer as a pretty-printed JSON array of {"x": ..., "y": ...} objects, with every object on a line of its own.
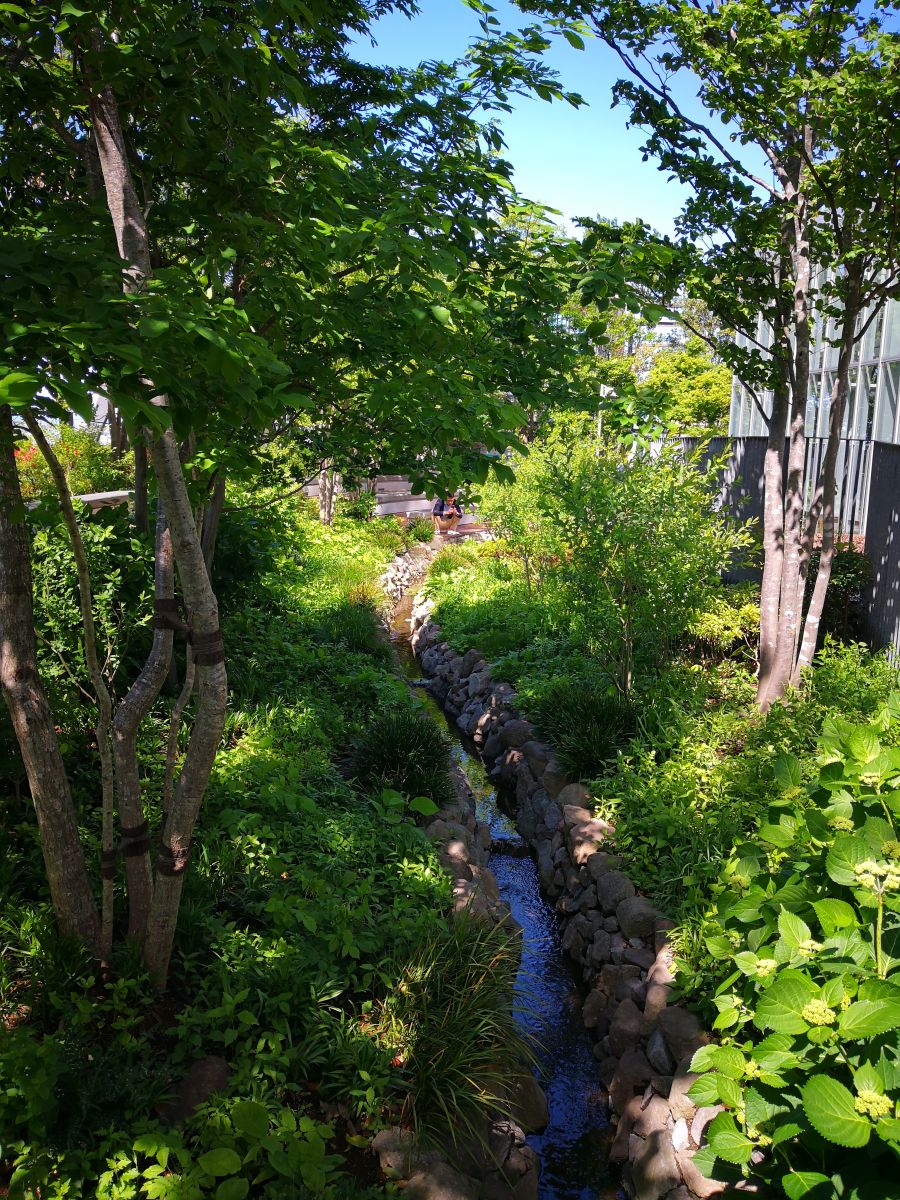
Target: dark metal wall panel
[{"x": 883, "y": 546}]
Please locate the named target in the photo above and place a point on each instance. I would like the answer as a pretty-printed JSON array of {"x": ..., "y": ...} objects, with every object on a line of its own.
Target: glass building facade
[{"x": 872, "y": 412}]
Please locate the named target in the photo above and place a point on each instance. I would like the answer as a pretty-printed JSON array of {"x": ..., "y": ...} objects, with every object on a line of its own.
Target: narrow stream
[{"x": 573, "y": 1148}]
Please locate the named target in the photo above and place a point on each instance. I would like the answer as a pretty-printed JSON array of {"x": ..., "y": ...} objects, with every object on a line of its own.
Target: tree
[
  {"x": 694, "y": 391},
  {"x": 810, "y": 87},
  {"x": 228, "y": 228}
]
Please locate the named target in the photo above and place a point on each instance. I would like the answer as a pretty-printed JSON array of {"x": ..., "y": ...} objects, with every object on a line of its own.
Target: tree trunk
[
  {"x": 130, "y": 713},
  {"x": 773, "y": 541},
  {"x": 208, "y": 654},
  {"x": 825, "y": 501},
  {"x": 101, "y": 691},
  {"x": 70, "y": 888},
  {"x": 213, "y": 520},
  {"x": 789, "y": 599},
  {"x": 141, "y": 504},
  {"x": 328, "y": 484}
]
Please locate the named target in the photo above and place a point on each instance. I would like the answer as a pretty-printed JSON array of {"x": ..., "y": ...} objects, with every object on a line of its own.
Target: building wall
[{"x": 873, "y": 407}]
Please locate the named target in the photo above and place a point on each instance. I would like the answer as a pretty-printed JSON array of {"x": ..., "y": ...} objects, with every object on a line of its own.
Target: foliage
[
  {"x": 406, "y": 751},
  {"x": 119, "y": 560},
  {"x": 453, "y": 1021},
  {"x": 729, "y": 624},
  {"x": 626, "y": 536},
  {"x": 586, "y": 721},
  {"x": 809, "y": 925},
  {"x": 694, "y": 391},
  {"x": 306, "y": 907},
  {"x": 851, "y": 577},
  {"x": 361, "y": 506},
  {"x": 420, "y": 529},
  {"x": 89, "y": 465}
]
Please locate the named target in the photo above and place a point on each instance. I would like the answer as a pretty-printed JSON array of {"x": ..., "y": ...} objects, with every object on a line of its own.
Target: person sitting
[{"x": 446, "y": 514}]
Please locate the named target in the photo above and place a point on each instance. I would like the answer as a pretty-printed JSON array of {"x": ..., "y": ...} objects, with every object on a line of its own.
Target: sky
[{"x": 583, "y": 162}]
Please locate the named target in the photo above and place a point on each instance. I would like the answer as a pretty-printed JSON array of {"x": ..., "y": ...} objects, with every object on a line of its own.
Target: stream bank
[{"x": 615, "y": 937}]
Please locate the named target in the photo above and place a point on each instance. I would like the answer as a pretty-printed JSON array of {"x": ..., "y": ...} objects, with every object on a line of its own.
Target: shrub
[
  {"x": 407, "y": 752},
  {"x": 450, "y": 558},
  {"x": 851, "y": 577},
  {"x": 359, "y": 506},
  {"x": 420, "y": 529},
  {"x": 452, "y": 1023},
  {"x": 728, "y": 623},
  {"x": 89, "y": 465},
  {"x": 586, "y": 722},
  {"x": 809, "y": 926}
]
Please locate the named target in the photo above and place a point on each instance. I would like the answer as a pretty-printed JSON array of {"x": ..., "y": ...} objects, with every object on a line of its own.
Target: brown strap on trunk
[
  {"x": 172, "y": 862},
  {"x": 208, "y": 648}
]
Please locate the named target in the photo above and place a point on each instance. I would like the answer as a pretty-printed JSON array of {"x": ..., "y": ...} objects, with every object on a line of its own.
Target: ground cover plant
[{"x": 312, "y": 897}]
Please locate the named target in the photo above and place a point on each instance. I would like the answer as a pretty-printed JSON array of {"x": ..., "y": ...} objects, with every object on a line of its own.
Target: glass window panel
[
  {"x": 891, "y": 337},
  {"x": 825, "y": 406},
  {"x": 851, "y": 404},
  {"x": 868, "y": 389},
  {"x": 887, "y": 403}
]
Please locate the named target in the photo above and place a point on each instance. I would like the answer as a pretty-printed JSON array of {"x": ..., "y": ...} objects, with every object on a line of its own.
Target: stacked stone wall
[{"x": 645, "y": 1040}]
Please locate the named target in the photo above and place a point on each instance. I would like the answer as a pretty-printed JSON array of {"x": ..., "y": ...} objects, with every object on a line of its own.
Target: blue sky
[{"x": 582, "y": 161}]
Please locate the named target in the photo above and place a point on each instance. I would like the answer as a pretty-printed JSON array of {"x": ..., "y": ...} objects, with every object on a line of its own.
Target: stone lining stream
[{"x": 573, "y": 1148}]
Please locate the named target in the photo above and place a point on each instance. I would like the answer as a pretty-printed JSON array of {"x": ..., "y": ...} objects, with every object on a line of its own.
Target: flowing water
[{"x": 573, "y": 1147}]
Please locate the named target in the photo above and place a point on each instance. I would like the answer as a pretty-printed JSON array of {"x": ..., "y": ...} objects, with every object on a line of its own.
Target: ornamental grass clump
[
  {"x": 451, "y": 1021},
  {"x": 587, "y": 724},
  {"x": 405, "y": 752}
]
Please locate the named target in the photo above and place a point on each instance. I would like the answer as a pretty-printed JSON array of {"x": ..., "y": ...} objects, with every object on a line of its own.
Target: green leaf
[
  {"x": 18, "y": 388},
  {"x": 727, "y": 1141},
  {"x": 233, "y": 1189},
  {"x": 781, "y": 1004},
  {"x": 793, "y": 930},
  {"x": 222, "y": 1161},
  {"x": 868, "y": 1018},
  {"x": 801, "y": 1183},
  {"x": 442, "y": 315},
  {"x": 704, "y": 1091},
  {"x": 888, "y": 1128},
  {"x": 834, "y": 915},
  {"x": 863, "y": 744},
  {"x": 777, "y": 835},
  {"x": 423, "y": 805},
  {"x": 788, "y": 773},
  {"x": 251, "y": 1118},
  {"x": 831, "y": 1112},
  {"x": 152, "y": 327},
  {"x": 847, "y": 852}
]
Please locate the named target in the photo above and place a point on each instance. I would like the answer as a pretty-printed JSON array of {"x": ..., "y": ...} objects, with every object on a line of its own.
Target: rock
[
  {"x": 516, "y": 733},
  {"x": 575, "y": 794},
  {"x": 479, "y": 683},
  {"x": 612, "y": 888},
  {"x": 611, "y": 925},
  {"x": 641, "y": 958},
  {"x": 471, "y": 661},
  {"x": 492, "y": 747},
  {"x": 510, "y": 762},
  {"x": 636, "y": 917},
  {"x": 537, "y": 755},
  {"x": 698, "y": 1185},
  {"x": 680, "y": 1136},
  {"x": 682, "y": 1032},
  {"x": 652, "y": 1118},
  {"x": 619, "y": 1151},
  {"x": 679, "y": 1193},
  {"x": 632, "y": 1075},
  {"x": 552, "y": 817},
  {"x": 679, "y": 1101},
  {"x": 614, "y": 979},
  {"x": 658, "y": 1054},
  {"x": 702, "y": 1118},
  {"x": 554, "y": 778},
  {"x": 203, "y": 1079},
  {"x": 627, "y": 1028},
  {"x": 528, "y": 1103},
  {"x": 441, "y": 1182},
  {"x": 593, "y": 1007},
  {"x": 585, "y": 833},
  {"x": 656, "y": 1001},
  {"x": 399, "y": 1156},
  {"x": 572, "y": 942},
  {"x": 600, "y": 949},
  {"x": 661, "y": 971},
  {"x": 455, "y": 866},
  {"x": 655, "y": 1169},
  {"x": 600, "y": 862}
]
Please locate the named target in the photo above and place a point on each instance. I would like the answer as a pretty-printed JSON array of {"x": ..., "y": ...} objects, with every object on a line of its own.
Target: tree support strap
[
  {"x": 135, "y": 840},
  {"x": 172, "y": 862},
  {"x": 208, "y": 648},
  {"x": 108, "y": 863}
]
